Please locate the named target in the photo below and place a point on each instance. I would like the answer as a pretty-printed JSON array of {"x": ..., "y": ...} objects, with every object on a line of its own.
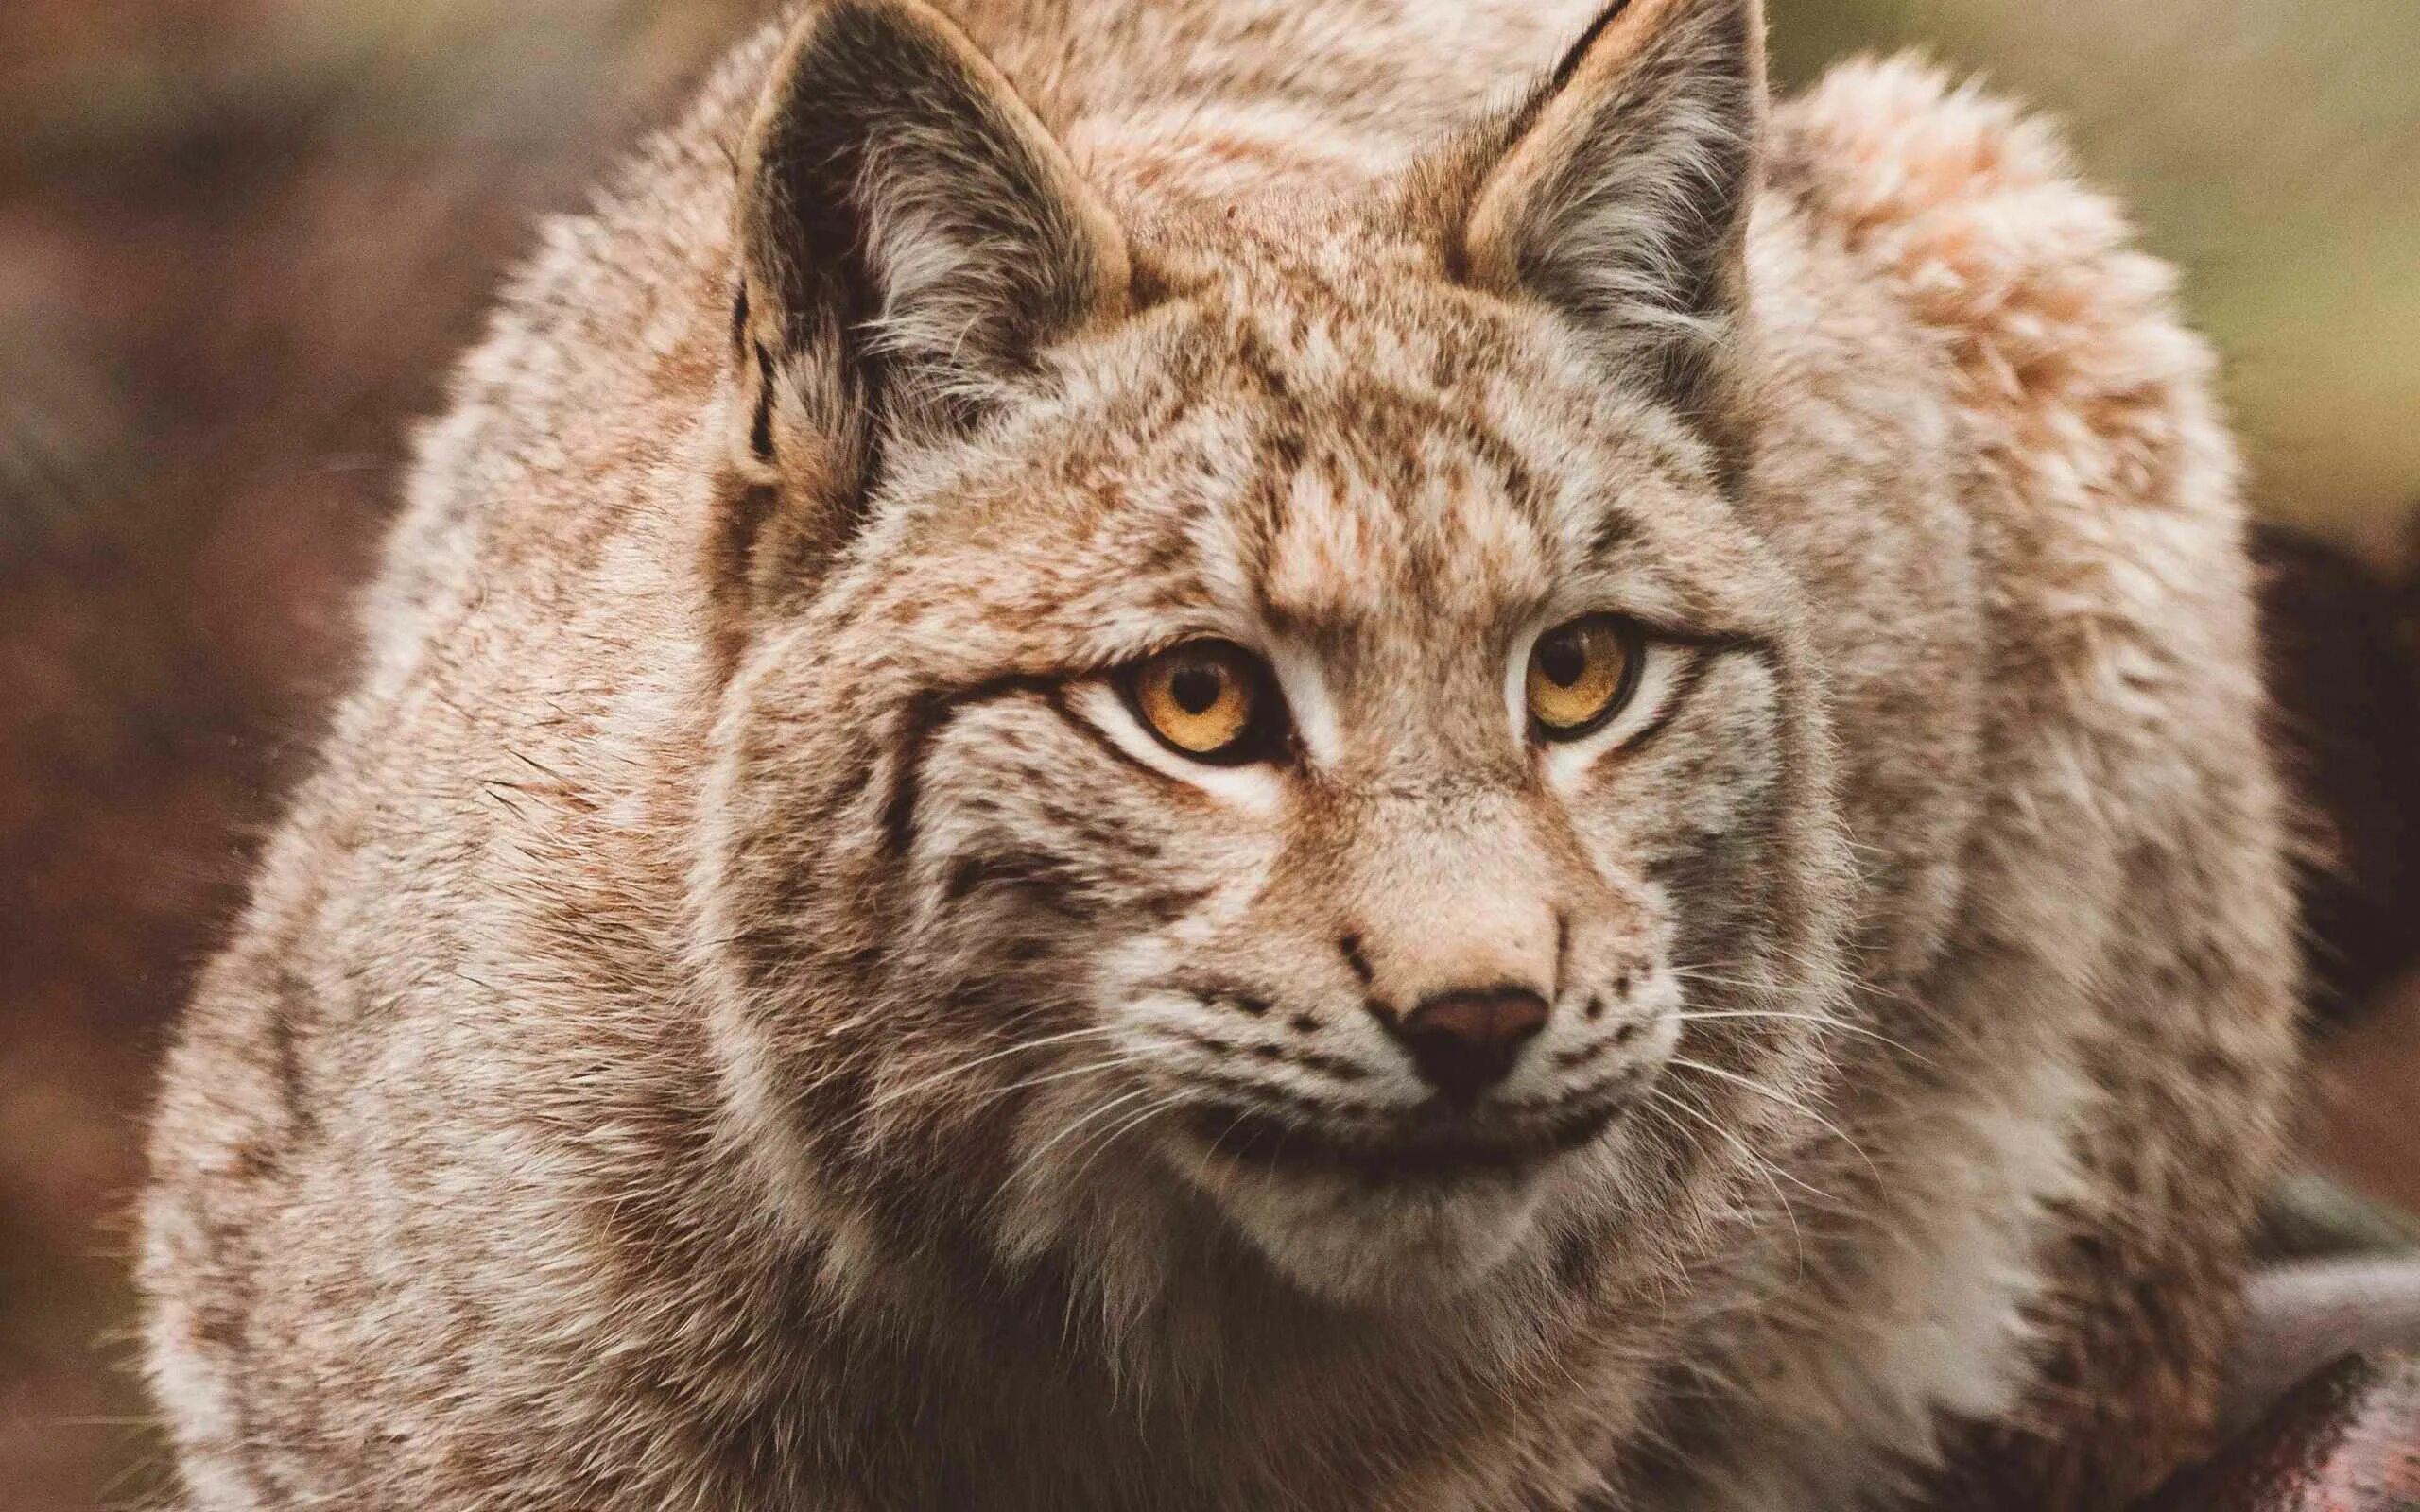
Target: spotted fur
[{"x": 744, "y": 1015}]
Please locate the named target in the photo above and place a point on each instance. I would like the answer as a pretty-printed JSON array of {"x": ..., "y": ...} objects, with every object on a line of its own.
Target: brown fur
[{"x": 743, "y": 1017}]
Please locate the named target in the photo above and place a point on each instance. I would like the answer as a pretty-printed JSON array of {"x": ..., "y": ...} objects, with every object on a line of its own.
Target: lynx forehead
[{"x": 1220, "y": 753}]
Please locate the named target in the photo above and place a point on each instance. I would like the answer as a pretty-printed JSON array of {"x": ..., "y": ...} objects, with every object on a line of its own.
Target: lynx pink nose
[{"x": 1464, "y": 1042}]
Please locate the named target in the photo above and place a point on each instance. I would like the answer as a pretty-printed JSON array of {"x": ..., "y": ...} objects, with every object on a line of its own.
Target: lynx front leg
[
  {"x": 2145, "y": 1283},
  {"x": 2125, "y": 1397}
]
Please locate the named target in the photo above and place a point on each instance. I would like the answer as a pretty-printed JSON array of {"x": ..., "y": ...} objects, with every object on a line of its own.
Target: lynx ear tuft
[
  {"x": 909, "y": 237},
  {"x": 1622, "y": 194}
]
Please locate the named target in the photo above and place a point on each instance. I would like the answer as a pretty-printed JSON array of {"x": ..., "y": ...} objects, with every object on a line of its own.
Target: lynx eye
[
  {"x": 1211, "y": 700},
  {"x": 1580, "y": 674}
]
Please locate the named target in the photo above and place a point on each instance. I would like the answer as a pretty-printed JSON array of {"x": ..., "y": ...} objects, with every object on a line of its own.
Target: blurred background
[{"x": 240, "y": 238}]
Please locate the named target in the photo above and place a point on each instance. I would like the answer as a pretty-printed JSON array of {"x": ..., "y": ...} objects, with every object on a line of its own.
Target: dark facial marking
[
  {"x": 760, "y": 430},
  {"x": 1350, "y": 948},
  {"x": 289, "y": 1010},
  {"x": 1568, "y": 1059},
  {"x": 1176, "y": 786},
  {"x": 1684, "y": 687},
  {"x": 1616, "y": 530},
  {"x": 925, "y": 719},
  {"x": 1575, "y": 1261},
  {"x": 1335, "y": 1066},
  {"x": 931, "y": 712},
  {"x": 1008, "y": 868}
]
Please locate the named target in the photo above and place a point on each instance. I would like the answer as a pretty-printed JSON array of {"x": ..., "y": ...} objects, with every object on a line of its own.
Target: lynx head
[{"x": 1256, "y": 719}]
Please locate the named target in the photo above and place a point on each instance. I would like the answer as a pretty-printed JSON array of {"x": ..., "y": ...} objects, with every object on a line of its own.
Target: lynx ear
[
  {"x": 1622, "y": 195},
  {"x": 910, "y": 235}
]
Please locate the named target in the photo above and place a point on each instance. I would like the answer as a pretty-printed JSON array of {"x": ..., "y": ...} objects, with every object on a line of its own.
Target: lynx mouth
[
  {"x": 1437, "y": 1150},
  {"x": 1384, "y": 1206}
]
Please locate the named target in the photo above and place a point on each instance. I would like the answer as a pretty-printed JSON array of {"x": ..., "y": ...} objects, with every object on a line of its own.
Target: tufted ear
[
  {"x": 1621, "y": 192},
  {"x": 909, "y": 237}
]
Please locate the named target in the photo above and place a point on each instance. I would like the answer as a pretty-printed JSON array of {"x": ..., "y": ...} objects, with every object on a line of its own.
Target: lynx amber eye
[
  {"x": 1202, "y": 698},
  {"x": 1580, "y": 674}
]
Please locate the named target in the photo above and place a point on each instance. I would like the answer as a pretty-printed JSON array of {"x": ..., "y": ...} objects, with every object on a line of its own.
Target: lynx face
[{"x": 1315, "y": 758}]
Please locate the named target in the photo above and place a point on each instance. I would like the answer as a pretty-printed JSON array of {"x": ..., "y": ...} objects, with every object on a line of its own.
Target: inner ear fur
[
  {"x": 909, "y": 237},
  {"x": 1620, "y": 193}
]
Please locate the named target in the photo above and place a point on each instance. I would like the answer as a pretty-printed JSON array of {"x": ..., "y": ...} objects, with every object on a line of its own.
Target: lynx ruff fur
[{"x": 746, "y": 1017}]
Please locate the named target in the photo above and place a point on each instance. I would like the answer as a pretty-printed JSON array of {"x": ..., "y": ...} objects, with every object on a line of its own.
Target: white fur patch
[{"x": 1938, "y": 1326}]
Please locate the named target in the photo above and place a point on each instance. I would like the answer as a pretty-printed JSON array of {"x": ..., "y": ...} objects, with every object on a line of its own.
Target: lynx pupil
[
  {"x": 1197, "y": 690},
  {"x": 1563, "y": 660}
]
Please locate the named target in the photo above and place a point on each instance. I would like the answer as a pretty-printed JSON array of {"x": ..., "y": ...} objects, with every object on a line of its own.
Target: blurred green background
[{"x": 239, "y": 237}]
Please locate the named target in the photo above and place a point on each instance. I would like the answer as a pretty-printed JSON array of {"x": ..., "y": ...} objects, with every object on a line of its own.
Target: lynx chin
[{"x": 1247, "y": 754}]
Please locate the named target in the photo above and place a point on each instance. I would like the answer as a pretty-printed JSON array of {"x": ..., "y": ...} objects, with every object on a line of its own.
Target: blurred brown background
[{"x": 238, "y": 239}]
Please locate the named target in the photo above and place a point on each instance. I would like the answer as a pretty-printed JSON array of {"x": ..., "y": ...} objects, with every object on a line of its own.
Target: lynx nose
[{"x": 1464, "y": 1042}]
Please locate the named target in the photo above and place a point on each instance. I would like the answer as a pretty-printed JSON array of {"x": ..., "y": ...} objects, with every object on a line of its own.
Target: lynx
[{"x": 1241, "y": 754}]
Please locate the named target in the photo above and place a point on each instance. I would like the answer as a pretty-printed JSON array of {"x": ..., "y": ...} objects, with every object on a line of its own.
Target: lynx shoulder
[{"x": 1230, "y": 753}]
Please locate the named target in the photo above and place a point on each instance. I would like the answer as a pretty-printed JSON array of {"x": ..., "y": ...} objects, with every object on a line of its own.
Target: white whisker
[
  {"x": 1099, "y": 1146},
  {"x": 1750, "y": 1084},
  {"x": 960, "y": 1069},
  {"x": 1659, "y": 1097},
  {"x": 1026, "y": 1164},
  {"x": 1827, "y": 1020}
]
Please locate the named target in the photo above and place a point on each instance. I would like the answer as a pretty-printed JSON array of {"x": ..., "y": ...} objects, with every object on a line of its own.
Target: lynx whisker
[
  {"x": 1017, "y": 1177},
  {"x": 950, "y": 1072},
  {"x": 1796, "y": 1105},
  {"x": 1823, "y": 1019},
  {"x": 1660, "y": 1099},
  {"x": 1101, "y": 1144}
]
